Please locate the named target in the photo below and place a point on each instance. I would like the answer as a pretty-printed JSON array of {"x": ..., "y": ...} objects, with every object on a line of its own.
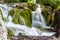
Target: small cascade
[
  {"x": 37, "y": 20},
  {"x": 5, "y": 9}
]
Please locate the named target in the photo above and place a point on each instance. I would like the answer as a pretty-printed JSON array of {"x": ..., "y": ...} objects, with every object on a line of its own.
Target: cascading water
[{"x": 37, "y": 20}]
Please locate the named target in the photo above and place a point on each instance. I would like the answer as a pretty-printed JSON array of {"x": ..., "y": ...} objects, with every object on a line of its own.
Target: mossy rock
[
  {"x": 17, "y": 12},
  {"x": 10, "y": 32},
  {"x": 32, "y": 6},
  {"x": 21, "y": 20},
  {"x": 15, "y": 20},
  {"x": 27, "y": 15},
  {"x": 47, "y": 13},
  {"x": 11, "y": 12}
]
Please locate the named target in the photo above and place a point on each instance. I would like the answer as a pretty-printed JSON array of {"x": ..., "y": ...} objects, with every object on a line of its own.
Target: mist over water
[{"x": 37, "y": 21}]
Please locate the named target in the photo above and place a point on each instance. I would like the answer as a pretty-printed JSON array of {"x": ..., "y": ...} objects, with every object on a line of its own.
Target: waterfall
[{"x": 37, "y": 20}]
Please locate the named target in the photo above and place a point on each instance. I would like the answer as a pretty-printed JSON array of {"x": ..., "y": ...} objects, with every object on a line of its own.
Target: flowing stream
[{"x": 37, "y": 21}]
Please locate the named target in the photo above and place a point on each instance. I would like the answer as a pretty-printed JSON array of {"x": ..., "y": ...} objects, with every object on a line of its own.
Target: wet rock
[
  {"x": 3, "y": 31},
  {"x": 57, "y": 21},
  {"x": 34, "y": 38}
]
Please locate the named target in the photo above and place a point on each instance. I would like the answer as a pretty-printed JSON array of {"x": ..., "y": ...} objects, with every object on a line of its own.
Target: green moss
[
  {"x": 42, "y": 29},
  {"x": 10, "y": 32},
  {"x": 32, "y": 6},
  {"x": 27, "y": 15},
  {"x": 21, "y": 21},
  {"x": 47, "y": 13},
  {"x": 15, "y": 20},
  {"x": 11, "y": 12},
  {"x": 17, "y": 12}
]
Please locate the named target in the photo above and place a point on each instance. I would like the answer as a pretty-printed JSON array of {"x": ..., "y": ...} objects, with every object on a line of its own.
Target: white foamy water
[{"x": 37, "y": 20}]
